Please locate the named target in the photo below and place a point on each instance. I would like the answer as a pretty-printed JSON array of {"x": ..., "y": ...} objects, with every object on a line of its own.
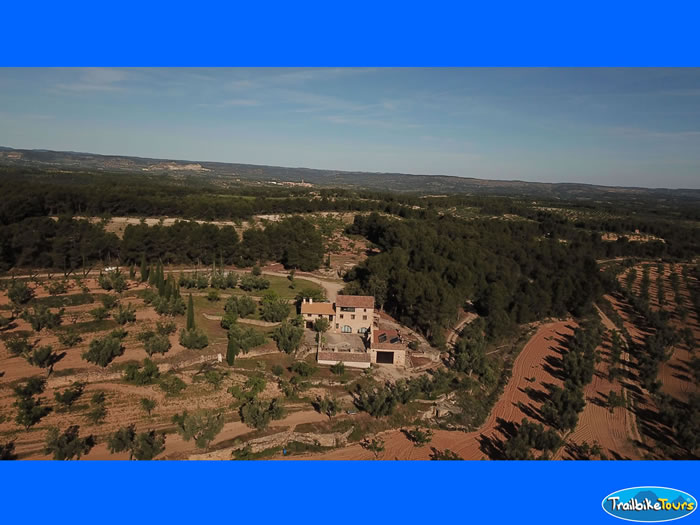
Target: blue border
[
  {"x": 359, "y": 33},
  {"x": 323, "y": 493}
]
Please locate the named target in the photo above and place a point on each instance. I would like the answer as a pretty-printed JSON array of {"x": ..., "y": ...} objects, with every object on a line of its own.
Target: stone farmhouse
[{"x": 354, "y": 336}]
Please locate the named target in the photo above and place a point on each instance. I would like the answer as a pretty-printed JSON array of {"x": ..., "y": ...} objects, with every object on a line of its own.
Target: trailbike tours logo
[{"x": 649, "y": 504}]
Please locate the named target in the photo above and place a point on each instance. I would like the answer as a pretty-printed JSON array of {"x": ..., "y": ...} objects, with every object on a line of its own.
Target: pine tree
[
  {"x": 160, "y": 282},
  {"x": 190, "y": 314},
  {"x": 231, "y": 350},
  {"x": 144, "y": 269}
]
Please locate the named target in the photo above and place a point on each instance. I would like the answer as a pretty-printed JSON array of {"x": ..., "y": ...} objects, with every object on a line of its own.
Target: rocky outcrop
[{"x": 331, "y": 440}]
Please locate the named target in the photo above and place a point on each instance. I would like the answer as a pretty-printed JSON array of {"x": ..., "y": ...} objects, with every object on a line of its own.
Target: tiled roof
[
  {"x": 317, "y": 308},
  {"x": 355, "y": 357},
  {"x": 355, "y": 301}
]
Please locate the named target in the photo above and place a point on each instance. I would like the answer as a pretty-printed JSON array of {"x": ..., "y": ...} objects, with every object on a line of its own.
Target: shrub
[
  {"x": 141, "y": 375},
  {"x": 125, "y": 315},
  {"x": 166, "y": 327},
  {"x": 99, "y": 313},
  {"x": 69, "y": 395},
  {"x": 338, "y": 368},
  {"x": 69, "y": 338},
  {"x": 193, "y": 339},
  {"x": 19, "y": 293},
  {"x": 98, "y": 411},
  {"x": 303, "y": 368},
  {"x": 109, "y": 301},
  {"x": 147, "y": 404},
  {"x": 18, "y": 345},
  {"x": 158, "y": 344},
  {"x": 171, "y": 384},
  {"x": 57, "y": 287}
]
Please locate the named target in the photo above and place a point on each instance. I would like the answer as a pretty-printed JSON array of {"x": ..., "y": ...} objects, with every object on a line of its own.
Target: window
[
  {"x": 347, "y": 329},
  {"x": 336, "y": 326},
  {"x": 362, "y": 330},
  {"x": 365, "y": 309},
  {"x": 364, "y": 317},
  {"x": 347, "y": 309},
  {"x": 341, "y": 316},
  {"x": 352, "y": 317},
  {"x": 381, "y": 338}
]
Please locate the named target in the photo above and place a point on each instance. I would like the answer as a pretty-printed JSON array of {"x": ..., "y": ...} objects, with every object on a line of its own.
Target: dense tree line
[
  {"x": 68, "y": 244},
  {"x": 34, "y": 194},
  {"x": 427, "y": 269}
]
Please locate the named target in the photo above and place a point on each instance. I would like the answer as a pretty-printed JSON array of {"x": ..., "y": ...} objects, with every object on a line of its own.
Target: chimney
[{"x": 311, "y": 300}]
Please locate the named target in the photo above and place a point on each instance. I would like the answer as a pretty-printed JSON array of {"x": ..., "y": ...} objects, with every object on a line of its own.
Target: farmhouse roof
[
  {"x": 355, "y": 301},
  {"x": 317, "y": 308}
]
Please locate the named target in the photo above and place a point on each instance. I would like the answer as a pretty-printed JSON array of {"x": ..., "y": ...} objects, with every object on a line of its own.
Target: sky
[{"x": 620, "y": 127}]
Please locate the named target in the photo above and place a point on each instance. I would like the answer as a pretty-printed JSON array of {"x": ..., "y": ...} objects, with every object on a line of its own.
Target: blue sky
[{"x": 627, "y": 127}]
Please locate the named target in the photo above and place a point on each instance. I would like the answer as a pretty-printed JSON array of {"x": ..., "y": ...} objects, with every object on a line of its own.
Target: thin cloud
[
  {"x": 650, "y": 133},
  {"x": 96, "y": 79}
]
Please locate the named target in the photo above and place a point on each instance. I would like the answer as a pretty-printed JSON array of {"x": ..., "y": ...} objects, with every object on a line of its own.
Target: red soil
[{"x": 531, "y": 362}]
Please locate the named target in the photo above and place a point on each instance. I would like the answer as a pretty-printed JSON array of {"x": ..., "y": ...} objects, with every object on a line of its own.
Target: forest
[
  {"x": 428, "y": 269},
  {"x": 67, "y": 244}
]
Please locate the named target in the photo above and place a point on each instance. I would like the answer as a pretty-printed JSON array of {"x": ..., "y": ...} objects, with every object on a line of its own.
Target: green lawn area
[
  {"x": 278, "y": 284},
  {"x": 204, "y": 305}
]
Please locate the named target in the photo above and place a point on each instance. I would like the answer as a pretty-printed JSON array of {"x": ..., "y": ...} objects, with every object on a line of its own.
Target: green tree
[
  {"x": 419, "y": 437},
  {"x": 30, "y": 410},
  {"x": 201, "y": 426},
  {"x": 338, "y": 368},
  {"x": 144, "y": 268},
  {"x": 157, "y": 344},
  {"x": 104, "y": 350},
  {"x": 69, "y": 444},
  {"x": 376, "y": 446},
  {"x": 20, "y": 294},
  {"x": 288, "y": 336},
  {"x": 7, "y": 451},
  {"x": 147, "y": 374},
  {"x": 327, "y": 405},
  {"x": 41, "y": 317},
  {"x": 171, "y": 384},
  {"x": 70, "y": 338},
  {"x": 70, "y": 395},
  {"x": 257, "y": 413},
  {"x": 148, "y": 405},
  {"x": 273, "y": 308},
  {"x": 444, "y": 455},
  {"x": 45, "y": 357},
  {"x": 193, "y": 339},
  {"x": 303, "y": 368},
  {"x": 125, "y": 315},
  {"x": 98, "y": 411},
  {"x": 190, "y": 314},
  {"x": 19, "y": 345},
  {"x": 142, "y": 446},
  {"x": 233, "y": 348}
]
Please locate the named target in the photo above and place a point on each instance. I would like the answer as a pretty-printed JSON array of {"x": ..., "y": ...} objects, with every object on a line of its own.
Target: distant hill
[{"x": 397, "y": 182}]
